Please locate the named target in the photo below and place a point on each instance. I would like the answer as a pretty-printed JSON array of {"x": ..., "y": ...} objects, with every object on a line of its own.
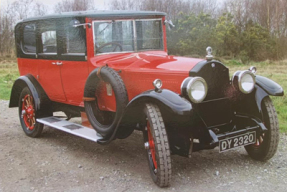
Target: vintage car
[{"x": 112, "y": 69}]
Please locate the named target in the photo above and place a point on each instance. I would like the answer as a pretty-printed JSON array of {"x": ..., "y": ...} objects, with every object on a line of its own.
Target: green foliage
[
  {"x": 193, "y": 33},
  {"x": 227, "y": 37},
  {"x": 256, "y": 42}
]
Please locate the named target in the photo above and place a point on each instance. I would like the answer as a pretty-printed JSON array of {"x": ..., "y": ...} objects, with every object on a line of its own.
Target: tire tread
[
  {"x": 266, "y": 151},
  {"x": 164, "y": 174}
]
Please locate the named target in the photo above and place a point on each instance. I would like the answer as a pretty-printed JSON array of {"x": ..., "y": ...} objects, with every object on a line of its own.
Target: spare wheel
[{"x": 104, "y": 122}]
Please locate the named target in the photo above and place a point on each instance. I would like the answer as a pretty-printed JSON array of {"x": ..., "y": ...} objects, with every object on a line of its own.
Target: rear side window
[
  {"x": 48, "y": 40},
  {"x": 29, "y": 39},
  {"x": 75, "y": 41}
]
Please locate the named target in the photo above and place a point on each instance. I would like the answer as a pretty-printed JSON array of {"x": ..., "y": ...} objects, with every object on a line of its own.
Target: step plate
[{"x": 70, "y": 127}]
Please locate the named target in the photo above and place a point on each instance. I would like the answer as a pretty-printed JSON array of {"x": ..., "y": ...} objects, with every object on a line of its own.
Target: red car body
[{"x": 69, "y": 78}]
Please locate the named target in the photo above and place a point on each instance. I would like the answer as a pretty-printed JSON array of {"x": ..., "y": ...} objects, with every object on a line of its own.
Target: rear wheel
[
  {"x": 27, "y": 114},
  {"x": 157, "y": 146},
  {"x": 266, "y": 143}
]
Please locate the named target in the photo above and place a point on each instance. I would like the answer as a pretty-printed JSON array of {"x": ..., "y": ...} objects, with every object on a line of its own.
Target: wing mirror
[
  {"x": 169, "y": 24},
  {"x": 77, "y": 23}
]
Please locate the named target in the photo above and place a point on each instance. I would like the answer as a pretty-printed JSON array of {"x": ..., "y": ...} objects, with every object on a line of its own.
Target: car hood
[{"x": 152, "y": 62}]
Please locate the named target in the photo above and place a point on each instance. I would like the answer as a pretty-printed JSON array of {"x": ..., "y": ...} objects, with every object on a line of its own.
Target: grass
[
  {"x": 273, "y": 70},
  {"x": 8, "y": 74}
]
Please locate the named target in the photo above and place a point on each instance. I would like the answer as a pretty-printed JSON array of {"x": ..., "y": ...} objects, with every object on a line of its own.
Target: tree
[
  {"x": 21, "y": 9},
  {"x": 195, "y": 34},
  {"x": 227, "y": 37},
  {"x": 39, "y": 9},
  {"x": 10, "y": 15},
  {"x": 124, "y": 5},
  {"x": 257, "y": 42},
  {"x": 74, "y": 5}
]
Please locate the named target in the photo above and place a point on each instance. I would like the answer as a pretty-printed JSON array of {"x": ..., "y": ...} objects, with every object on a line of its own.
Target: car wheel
[
  {"x": 266, "y": 143},
  {"x": 27, "y": 114},
  {"x": 157, "y": 146}
]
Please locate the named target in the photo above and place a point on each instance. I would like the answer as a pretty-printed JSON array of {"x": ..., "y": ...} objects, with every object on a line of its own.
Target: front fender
[
  {"x": 265, "y": 87},
  {"x": 165, "y": 98},
  {"x": 269, "y": 86}
]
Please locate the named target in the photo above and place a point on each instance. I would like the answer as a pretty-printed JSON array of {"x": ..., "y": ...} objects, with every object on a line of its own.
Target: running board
[{"x": 70, "y": 127}]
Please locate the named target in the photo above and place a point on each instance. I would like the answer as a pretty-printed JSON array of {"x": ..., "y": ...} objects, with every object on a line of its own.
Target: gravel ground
[{"x": 58, "y": 161}]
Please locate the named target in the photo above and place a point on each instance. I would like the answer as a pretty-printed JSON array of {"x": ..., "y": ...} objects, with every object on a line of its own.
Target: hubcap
[
  {"x": 146, "y": 145},
  {"x": 259, "y": 140}
]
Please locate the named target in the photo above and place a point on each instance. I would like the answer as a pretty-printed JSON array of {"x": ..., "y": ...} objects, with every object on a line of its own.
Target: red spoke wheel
[
  {"x": 157, "y": 146},
  {"x": 27, "y": 114},
  {"x": 266, "y": 143}
]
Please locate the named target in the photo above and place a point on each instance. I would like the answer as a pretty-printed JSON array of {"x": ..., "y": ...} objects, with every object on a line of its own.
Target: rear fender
[{"x": 37, "y": 91}]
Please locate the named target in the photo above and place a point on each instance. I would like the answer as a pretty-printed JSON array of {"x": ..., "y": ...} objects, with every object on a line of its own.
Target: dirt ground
[{"x": 58, "y": 161}]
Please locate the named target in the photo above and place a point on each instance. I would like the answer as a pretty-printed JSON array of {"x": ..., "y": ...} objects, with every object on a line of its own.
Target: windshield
[{"x": 127, "y": 35}]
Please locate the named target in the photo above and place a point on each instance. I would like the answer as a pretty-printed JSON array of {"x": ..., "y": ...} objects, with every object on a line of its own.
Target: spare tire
[{"x": 94, "y": 114}]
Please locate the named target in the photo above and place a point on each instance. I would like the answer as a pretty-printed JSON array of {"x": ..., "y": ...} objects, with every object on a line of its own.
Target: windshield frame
[{"x": 135, "y": 39}]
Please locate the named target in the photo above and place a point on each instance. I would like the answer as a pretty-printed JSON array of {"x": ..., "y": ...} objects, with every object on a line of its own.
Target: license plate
[{"x": 237, "y": 141}]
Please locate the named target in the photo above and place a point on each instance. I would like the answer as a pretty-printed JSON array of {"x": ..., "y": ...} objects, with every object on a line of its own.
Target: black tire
[
  {"x": 267, "y": 143},
  {"x": 105, "y": 122},
  {"x": 158, "y": 150},
  {"x": 27, "y": 114}
]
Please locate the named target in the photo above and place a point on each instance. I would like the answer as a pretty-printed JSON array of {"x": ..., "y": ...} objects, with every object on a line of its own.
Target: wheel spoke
[
  {"x": 33, "y": 121},
  {"x": 261, "y": 139},
  {"x": 151, "y": 145},
  {"x": 30, "y": 100}
]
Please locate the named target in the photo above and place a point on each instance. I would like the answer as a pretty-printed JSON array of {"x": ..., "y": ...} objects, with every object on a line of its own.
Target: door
[
  {"x": 49, "y": 75},
  {"x": 72, "y": 56}
]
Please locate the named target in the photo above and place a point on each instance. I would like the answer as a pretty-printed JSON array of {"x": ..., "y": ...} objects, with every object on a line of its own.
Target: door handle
[{"x": 57, "y": 63}]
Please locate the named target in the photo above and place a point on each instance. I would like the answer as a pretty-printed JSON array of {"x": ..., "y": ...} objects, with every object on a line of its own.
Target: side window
[
  {"x": 149, "y": 34},
  {"x": 74, "y": 41},
  {"x": 29, "y": 39},
  {"x": 49, "y": 42},
  {"x": 48, "y": 39}
]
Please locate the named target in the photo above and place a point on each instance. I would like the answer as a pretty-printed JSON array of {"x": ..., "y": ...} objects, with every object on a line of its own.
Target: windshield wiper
[{"x": 109, "y": 23}]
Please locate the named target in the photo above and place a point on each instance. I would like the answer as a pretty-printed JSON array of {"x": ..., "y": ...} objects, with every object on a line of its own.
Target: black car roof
[{"x": 100, "y": 15}]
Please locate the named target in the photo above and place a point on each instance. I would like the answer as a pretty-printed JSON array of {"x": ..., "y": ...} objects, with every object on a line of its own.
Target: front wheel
[
  {"x": 157, "y": 146},
  {"x": 266, "y": 143},
  {"x": 27, "y": 114}
]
